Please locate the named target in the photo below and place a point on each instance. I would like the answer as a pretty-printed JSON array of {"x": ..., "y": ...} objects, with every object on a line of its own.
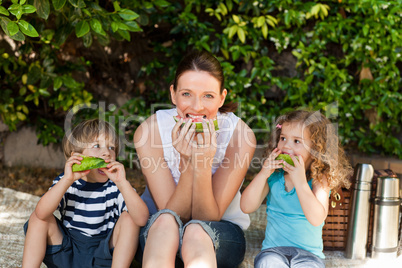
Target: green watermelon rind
[
  {"x": 198, "y": 125},
  {"x": 286, "y": 158},
  {"x": 89, "y": 162}
]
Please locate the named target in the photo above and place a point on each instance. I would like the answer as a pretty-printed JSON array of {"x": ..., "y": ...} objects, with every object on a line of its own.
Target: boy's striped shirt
[{"x": 91, "y": 208}]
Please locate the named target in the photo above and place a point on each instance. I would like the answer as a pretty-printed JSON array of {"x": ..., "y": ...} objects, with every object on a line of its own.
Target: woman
[{"x": 193, "y": 179}]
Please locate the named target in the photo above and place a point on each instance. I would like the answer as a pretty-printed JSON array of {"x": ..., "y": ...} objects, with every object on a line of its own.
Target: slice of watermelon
[
  {"x": 286, "y": 158},
  {"x": 89, "y": 162},
  {"x": 198, "y": 123}
]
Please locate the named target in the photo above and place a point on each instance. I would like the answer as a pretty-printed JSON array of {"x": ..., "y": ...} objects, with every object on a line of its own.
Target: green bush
[{"x": 343, "y": 57}]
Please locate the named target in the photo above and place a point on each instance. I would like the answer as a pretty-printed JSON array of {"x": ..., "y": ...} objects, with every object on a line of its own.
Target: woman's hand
[
  {"x": 76, "y": 158},
  {"x": 182, "y": 138},
  {"x": 204, "y": 146},
  {"x": 297, "y": 173},
  {"x": 270, "y": 164}
]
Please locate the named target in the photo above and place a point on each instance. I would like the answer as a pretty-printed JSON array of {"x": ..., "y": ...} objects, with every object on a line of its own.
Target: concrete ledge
[{"x": 378, "y": 162}]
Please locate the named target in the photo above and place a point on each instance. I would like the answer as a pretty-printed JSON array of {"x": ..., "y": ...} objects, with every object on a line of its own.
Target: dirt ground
[{"x": 37, "y": 181}]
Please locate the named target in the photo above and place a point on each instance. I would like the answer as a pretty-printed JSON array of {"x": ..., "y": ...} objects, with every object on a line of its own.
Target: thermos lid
[
  {"x": 387, "y": 187},
  {"x": 364, "y": 173}
]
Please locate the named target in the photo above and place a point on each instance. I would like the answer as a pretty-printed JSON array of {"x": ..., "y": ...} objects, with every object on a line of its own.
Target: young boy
[{"x": 101, "y": 213}]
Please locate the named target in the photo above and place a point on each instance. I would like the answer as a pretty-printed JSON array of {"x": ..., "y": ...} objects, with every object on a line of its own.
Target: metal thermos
[
  {"x": 359, "y": 212},
  {"x": 386, "y": 218}
]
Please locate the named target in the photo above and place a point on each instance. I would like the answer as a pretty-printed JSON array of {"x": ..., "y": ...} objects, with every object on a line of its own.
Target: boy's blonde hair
[
  {"x": 328, "y": 156},
  {"x": 87, "y": 132}
]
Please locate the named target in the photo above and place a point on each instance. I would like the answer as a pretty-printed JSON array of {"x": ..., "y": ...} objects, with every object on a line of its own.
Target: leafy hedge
[{"x": 343, "y": 57}]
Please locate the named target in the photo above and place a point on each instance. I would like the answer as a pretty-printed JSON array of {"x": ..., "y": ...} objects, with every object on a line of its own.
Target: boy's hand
[
  {"x": 115, "y": 171},
  {"x": 270, "y": 164},
  {"x": 68, "y": 170},
  {"x": 298, "y": 172}
]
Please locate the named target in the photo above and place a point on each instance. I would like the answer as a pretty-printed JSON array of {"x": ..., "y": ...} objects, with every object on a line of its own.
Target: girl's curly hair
[{"x": 328, "y": 156}]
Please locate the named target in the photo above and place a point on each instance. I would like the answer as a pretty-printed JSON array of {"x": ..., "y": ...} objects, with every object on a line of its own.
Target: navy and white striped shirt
[{"x": 91, "y": 208}]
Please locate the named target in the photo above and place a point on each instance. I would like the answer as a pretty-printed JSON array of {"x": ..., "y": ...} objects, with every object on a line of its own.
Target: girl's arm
[
  {"x": 159, "y": 179},
  {"x": 212, "y": 195},
  {"x": 51, "y": 199},
  {"x": 313, "y": 202},
  {"x": 258, "y": 188},
  {"x": 255, "y": 193}
]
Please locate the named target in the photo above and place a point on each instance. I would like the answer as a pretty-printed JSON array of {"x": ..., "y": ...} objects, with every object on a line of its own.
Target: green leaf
[
  {"x": 42, "y": 8},
  {"x": 44, "y": 92},
  {"x": 260, "y": 21},
  {"x": 161, "y": 3},
  {"x": 125, "y": 34},
  {"x": 236, "y": 18},
  {"x": 12, "y": 28},
  {"x": 114, "y": 26},
  {"x": 58, "y": 4},
  {"x": 4, "y": 11},
  {"x": 133, "y": 26},
  {"x": 21, "y": 116},
  {"x": 16, "y": 10},
  {"x": 57, "y": 83},
  {"x": 264, "y": 30},
  {"x": 96, "y": 26},
  {"x": 233, "y": 30},
  {"x": 241, "y": 34},
  {"x": 77, "y": 3},
  {"x": 27, "y": 29},
  {"x": 127, "y": 14},
  {"x": 82, "y": 28},
  {"x": 28, "y": 9},
  {"x": 87, "y": 39}
]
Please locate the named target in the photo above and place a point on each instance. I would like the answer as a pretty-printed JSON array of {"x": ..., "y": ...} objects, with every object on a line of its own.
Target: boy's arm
[
  {"x": 137, "y": 209},
  {"x": 51, "y": 199}
]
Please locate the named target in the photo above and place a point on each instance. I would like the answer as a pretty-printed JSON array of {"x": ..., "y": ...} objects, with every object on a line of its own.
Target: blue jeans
[
  {"x": 293, "y": 257},
  {"x": 228, "y": 239}
]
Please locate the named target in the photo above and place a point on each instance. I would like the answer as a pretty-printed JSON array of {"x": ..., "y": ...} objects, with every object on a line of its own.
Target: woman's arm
[
  {"x": 212, "y": 195},
  {"x": 157, "y": 174}
]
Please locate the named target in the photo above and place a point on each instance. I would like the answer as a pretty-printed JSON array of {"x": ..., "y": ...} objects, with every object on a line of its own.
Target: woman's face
[{"x": 197, "y": 95}]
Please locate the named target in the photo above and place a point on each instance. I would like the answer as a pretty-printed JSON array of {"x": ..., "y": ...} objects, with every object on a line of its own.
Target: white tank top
[{"x": 227, "y": 123}]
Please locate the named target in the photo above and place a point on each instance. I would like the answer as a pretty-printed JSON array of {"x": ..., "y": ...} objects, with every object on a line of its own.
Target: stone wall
[{"x": 21, "y": 148}]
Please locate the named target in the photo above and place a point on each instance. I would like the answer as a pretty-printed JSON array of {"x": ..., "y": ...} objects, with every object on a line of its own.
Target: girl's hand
[
  {"x": 297, "y": 173},
  {"x": 76, "y": 158},
  {"x": 270, "y": 164},
  {"x": 182, "y": 137},
  {"x": 115, "y": 171},
  {"x": 204, "y": 146}
]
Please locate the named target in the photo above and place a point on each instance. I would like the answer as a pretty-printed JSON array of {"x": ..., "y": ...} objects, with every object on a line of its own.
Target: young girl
[{"x": 297, "y": 196}]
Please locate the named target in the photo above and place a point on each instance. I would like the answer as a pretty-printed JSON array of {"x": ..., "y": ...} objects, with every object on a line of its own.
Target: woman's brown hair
[{"x": 206, "y": 62}]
